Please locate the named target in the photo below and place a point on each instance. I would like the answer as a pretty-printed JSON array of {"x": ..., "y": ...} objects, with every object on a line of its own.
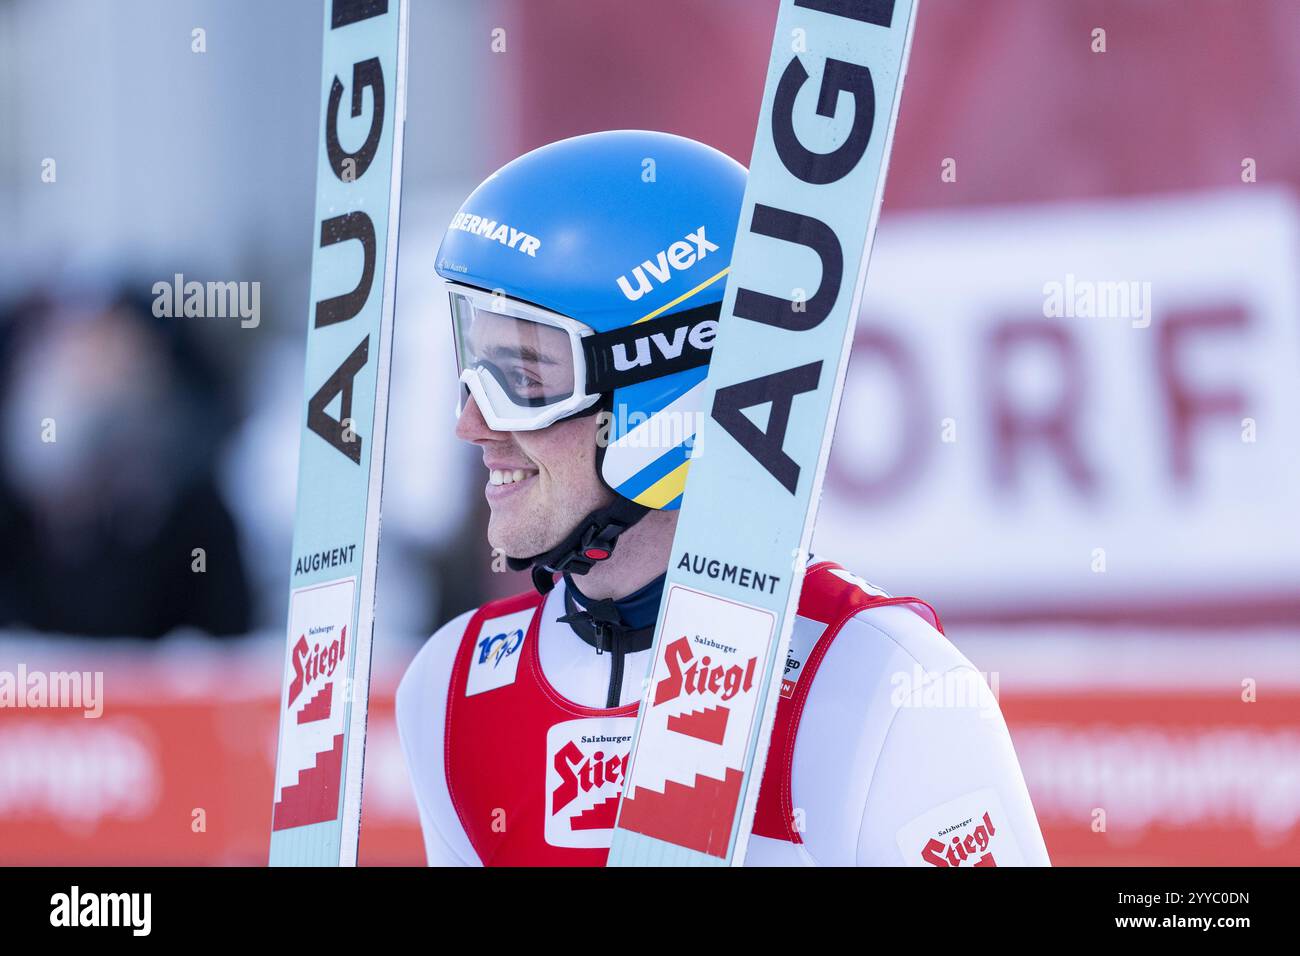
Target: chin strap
[
  {"x": 601, "y": 625},
  {"x": 588, "y": 544}
]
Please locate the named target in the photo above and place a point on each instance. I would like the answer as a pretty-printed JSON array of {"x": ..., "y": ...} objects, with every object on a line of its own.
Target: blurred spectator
[{"x": 112, "y": 419}]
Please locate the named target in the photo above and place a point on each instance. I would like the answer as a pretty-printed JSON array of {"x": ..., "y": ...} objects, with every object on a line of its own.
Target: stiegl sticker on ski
[
  {"x": 816, "y": 179},
  {"x": 317, "y": 805}
]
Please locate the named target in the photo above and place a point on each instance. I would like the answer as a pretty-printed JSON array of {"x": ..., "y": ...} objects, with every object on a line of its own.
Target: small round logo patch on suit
[{"x": 596, "y": 554}]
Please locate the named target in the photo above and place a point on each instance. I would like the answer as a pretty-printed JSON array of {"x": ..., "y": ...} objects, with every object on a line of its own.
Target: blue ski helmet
[{"x": 623, "y": 240}]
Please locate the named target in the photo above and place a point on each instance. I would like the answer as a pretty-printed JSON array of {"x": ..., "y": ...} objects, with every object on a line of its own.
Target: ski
[
  {"x": 317, "y": 807},
  {"x": 816, "y": 180}
]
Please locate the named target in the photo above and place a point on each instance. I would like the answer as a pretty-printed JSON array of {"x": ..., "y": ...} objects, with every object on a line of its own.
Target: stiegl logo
[
  {"x": 103, "y": 909},
  {"x": 691, "y": 676},
  {"x": 963, "y": 845},
  {"x": 582, "y": 772},
  {"x": 586, "y": 761},
  {"x": 311, "y": 662},
  {"x": 677, "y": 257}
]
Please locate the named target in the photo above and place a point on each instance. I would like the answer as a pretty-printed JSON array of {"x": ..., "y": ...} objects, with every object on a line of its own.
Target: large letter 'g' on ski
[
  {"x": 837, "y": 77},
  {"x": 767, "y": 447},
  {"x": 877, "y": 12},
  {"x": 347, "y": 12},
  {"x": 367, "y": 74}
]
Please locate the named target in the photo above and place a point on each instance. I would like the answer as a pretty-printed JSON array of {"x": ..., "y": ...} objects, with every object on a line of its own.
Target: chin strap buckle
[
  {"x": 591, "y": 542},
  {"x": 597, "y": 544}
]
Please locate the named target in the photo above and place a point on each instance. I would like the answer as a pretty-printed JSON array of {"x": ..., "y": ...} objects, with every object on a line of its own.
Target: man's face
[{"x": 540, "y": 483}]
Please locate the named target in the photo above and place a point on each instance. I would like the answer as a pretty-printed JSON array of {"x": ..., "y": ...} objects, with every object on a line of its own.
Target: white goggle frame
[{"x": 499, "y": 409}]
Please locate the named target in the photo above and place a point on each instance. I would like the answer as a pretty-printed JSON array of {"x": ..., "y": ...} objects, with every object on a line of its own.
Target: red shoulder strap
[
  {"x": 506, "y": 605},
  {"x": 832, "y": 596}
]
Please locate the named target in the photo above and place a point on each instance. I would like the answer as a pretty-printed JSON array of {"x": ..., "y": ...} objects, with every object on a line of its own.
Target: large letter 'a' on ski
[
  {"x": 317, "y": 806},
  {"x": 778, "y": 389},
  {"x": 809, "y": 215},
  {"x": 341, "y": 384}
]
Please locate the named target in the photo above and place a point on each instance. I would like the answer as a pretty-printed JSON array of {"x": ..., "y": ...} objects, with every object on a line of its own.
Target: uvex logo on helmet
[
  {"x": 651, "y": 349},
  {"x": 681, "y": 255},
  {"x": 696, "y": 338}
]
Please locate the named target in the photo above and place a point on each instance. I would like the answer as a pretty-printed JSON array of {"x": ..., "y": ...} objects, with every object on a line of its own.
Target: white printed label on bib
[
  {"x": 803, "y": 639},
  {"x": 586, "y": 760},
  {"x": 496, "y": 652}
]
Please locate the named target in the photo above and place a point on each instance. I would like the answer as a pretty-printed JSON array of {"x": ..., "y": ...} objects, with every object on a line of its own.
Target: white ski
[
  {"x": 816, "y": 179},
  {"x": 317, "y": 810}
]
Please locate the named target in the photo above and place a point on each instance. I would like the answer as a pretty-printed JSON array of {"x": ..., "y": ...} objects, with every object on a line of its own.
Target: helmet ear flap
[{"x": 603, "y": 407}]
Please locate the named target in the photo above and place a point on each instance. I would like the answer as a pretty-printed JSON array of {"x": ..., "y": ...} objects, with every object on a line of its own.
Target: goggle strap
[{"x": 670, "y": 343}]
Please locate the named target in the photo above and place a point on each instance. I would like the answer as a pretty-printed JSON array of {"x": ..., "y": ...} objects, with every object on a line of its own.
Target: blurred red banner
[{"x": 1174, "y": 778}]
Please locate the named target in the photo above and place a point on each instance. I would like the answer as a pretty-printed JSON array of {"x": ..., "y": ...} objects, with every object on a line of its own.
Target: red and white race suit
[{"x": 888, "y": 747}]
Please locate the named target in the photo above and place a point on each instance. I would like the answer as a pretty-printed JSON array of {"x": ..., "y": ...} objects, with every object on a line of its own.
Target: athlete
[{"x": 586, "y": 282}]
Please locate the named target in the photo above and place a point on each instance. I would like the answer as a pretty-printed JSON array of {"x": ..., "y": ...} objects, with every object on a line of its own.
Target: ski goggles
[{"x": 527, "y": 367}]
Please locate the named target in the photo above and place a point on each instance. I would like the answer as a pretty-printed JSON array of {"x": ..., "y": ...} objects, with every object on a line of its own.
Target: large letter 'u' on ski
[
  {"x": 353, "y": 225},
  {"x": 767, "y": 447},
  {"x": 821, "y": 239}
]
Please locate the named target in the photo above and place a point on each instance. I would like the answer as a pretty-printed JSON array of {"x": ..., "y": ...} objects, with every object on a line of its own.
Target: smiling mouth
[{"x": 509, "y": 476}]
